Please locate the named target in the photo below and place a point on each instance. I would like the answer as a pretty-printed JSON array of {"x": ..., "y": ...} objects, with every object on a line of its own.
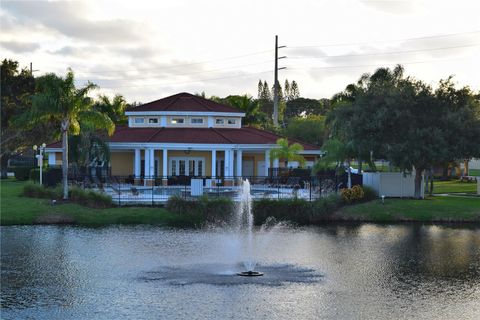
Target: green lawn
[
  {"x": 450, "y": 208},
  {"x": 454, "y": 186},
  {"x": 16, "y": 209}
]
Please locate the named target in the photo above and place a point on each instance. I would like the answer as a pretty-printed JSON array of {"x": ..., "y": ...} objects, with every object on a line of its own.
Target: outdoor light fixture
[
  {"x": 39, "y": 157},
  {"x": 383, "y": 199}
]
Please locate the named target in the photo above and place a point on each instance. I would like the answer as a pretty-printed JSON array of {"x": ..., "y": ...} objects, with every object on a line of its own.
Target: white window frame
[
  {"x": 155, "y": 118},
  {"x": 136, "y": 120},
  {"x": 232, "y": 121},
  {"x": 177, "y": 118},
  {"x": 219, "y": 121},
  {"x": 196, "y": 123}
]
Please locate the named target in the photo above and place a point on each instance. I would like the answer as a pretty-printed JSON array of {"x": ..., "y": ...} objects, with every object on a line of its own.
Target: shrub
[
  {"x": 322, "y": 209},
  {"x": 369, "y": 193},
  {"x": 352, "y": 195},
  {"x": 38, "y": 191},
  {"x": 34, "y": 174},
  {"x": 90, "y": 198},
  {"x": 202, "y": 209},
  {"x": 21, "y": 173},
  {"x": 294, "y": 210}
]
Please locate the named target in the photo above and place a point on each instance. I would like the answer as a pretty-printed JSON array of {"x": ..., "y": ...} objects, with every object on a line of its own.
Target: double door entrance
[{"x": 187, "y": 166}]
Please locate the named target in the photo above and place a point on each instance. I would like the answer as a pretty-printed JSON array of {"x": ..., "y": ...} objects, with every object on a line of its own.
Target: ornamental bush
[{"x": 355, "y": 194}]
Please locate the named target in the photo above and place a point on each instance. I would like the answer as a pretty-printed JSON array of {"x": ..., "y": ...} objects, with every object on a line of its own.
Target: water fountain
[{"x": 244, "y": 221}]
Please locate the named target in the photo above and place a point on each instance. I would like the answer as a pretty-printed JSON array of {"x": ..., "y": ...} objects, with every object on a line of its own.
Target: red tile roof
[
  {"x": 184, "y": 102},
  {"x": 245, "y": 135}
]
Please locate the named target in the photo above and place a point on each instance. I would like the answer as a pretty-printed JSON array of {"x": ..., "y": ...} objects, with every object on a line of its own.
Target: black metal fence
[{"x": 156, "y": 190}]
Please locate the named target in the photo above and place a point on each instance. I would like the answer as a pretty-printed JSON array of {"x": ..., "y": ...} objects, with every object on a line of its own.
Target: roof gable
[{"x": 184, "y": 102}]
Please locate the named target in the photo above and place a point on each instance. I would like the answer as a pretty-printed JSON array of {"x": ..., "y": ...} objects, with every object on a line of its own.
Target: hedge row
[
  {"x": 87, "y": 198},
  {"x": 215, "y": 210}
]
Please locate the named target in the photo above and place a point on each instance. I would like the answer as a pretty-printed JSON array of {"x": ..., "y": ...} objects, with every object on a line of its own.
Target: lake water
[{"x": 332, "y": 272}]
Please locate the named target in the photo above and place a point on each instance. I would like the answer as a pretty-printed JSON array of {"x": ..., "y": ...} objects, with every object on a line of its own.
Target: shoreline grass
[{"x": 19, "y": 210}]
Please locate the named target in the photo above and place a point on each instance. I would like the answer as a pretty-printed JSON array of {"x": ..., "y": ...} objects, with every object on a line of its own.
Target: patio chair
[{"x": 135, "y": 191}]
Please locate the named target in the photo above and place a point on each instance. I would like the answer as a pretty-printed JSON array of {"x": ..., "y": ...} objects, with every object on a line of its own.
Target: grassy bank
[
  {"x": 454, "y": 186},
  {"x": 16, "y": 209},
  {"x": 434, "y": 209}
]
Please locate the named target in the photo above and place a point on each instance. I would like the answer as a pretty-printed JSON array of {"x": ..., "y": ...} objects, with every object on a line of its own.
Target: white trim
[
  {"x": 196, "y": 146},
  {"x": 184, "y": 113}
]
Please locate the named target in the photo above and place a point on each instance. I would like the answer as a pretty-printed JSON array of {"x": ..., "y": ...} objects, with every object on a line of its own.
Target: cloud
[
  {"x": 69, "y": 18},
  {"x": 20, "y": 47},
  {"x": 391, "y": 6}
]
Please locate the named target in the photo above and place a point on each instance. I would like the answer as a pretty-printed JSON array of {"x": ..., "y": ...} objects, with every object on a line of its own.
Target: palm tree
[
  {"x": 287, "y": 152},
  {"x": 114, "y": 108},
  {"x": 58, "y": 99}
]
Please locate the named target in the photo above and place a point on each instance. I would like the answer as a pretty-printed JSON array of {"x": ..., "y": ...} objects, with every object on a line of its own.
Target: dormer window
[
  {"x": 153, "y": 120},
  {"x": 178, "y": 120},
  {"x": 232, "y": 121},
  {"x": 196, "y": 120},
  {"x": 219, "y": 121},
  {"x": 139, "y": 120}
]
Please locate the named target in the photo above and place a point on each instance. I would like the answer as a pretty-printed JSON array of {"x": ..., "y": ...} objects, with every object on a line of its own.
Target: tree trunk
[
  {"x": 65, "y": 124},
  {"x": 445, "y": 172},
  {"x": 349, "y": 181},
  {"x": 360, "y": 166},
  {"x": 418, "y": 183}
]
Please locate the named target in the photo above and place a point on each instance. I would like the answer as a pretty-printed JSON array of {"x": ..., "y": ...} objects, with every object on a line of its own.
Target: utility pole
[
  {"x": 275, "y": 82},
  {"x": 31, "y": 69}
]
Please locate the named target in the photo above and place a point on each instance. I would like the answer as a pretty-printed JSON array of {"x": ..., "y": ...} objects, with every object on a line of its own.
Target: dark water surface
[{"x": 332, "y": 272}]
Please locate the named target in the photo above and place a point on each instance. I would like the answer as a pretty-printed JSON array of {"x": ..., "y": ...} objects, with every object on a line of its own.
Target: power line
[
  {"x": 382, "y": 41},
  {"x": 180, "y": 65},
  {"x": 376, "y": 65},
  {"x": 184, "y": 82},
  {"x": 387, "y": 53},
  {"x": 183, "y": 74}
]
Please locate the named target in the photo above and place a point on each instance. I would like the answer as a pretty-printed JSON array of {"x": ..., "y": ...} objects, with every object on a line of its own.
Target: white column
[
  {"x": 214, "y": 163},
  {"x": 51, "y": 159},
  {"x": 165, "y": 163},
  {"x": 276, "y": 163},
  {"x": 146, "y": 157},
  {"x": 136, "y": 166},
  {"x": 152, "y": 162},
  {"x": 230, "y": 159},
  {"x": 239, "y": 163},
  {"x": 267, "y": 162},
  {"x": 226, "y": 163}
]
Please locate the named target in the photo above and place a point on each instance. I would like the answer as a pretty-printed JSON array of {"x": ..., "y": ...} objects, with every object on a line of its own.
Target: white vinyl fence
[{"x": 392, "y": 184}]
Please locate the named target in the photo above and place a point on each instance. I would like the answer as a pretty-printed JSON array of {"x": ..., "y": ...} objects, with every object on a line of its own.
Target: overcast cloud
[{"x": 146, "y": 50}]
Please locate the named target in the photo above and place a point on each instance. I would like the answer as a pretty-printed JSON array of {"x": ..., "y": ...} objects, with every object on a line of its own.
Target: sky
[{"x": 146, "y": 50}]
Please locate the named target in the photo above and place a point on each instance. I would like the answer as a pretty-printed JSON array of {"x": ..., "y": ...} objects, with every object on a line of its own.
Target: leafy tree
[
  {"x": 310, "y": 129},
  {"x": 16, "y": 88},
  {"x": 287, "y": 152},
  {"x": 336, "y": 152},
  {"x": 294, "y": 91},
  {"x": 287, "y": 90},
  {"x": 401, "y": 119},
  {"x": 302, "y": 107},
  {"x": 251, "y": 107},
  {"x": 114, "y": 108},
  {"x": 58, "y": 98}
]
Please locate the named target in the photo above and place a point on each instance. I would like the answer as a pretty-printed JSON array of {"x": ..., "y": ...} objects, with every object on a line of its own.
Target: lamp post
[{"x": 39, "y": 157}]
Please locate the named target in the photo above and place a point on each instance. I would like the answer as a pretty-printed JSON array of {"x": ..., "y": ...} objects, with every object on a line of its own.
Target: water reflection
[{"x": 335, "y": 271}]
